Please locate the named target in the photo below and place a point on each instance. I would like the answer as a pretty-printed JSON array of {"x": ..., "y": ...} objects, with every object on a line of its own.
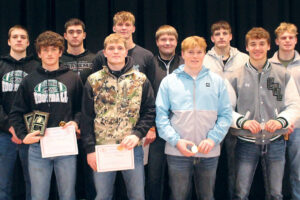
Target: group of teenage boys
[{"x": 183, "y": 105}]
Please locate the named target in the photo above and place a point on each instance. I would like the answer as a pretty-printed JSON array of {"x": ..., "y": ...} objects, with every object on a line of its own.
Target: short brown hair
[
  {"x": 17, "y": 27},
  {"x": 283, "y": 27},
  {"x": 49, "y": 38},
  {"x": 123, "y": 16},
  {"x": 166, "y": 29},
  {"x": 114, "y": 38},
  {"x": 257, "y": 33},
  {"x": 74, "y": 22},
  {"x": 220, "y": 25},
  {"x": 192, "y": 42}
]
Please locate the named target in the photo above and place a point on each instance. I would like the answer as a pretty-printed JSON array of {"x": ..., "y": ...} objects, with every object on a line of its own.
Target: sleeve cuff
[
  {"x": 137, "y": 133},
  {"x": 90, "y": 149},
  {"x": 240, "y": 122},
  {"x": 282, "y": 121}
]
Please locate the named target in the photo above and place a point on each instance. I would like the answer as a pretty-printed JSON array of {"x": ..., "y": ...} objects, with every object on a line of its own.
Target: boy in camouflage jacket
[{"x": 118, "y": 108}]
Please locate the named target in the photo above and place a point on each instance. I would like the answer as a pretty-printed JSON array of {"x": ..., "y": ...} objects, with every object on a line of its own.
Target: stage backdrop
[{"x": 189, "y": 17}]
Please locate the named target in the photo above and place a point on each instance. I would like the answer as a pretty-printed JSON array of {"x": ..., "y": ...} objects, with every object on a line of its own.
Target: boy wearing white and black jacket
[
  {"x": 14, "y": 67},
  {"x": 56, "y": 91},
  {"x": 267, "y": 101}
]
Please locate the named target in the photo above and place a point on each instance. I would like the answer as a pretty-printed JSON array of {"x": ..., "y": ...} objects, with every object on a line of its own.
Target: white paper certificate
[
  {"x": 109, "y": 158},
  {"x": 146, "y": 151},
  {"x": 59, "y": 142}
]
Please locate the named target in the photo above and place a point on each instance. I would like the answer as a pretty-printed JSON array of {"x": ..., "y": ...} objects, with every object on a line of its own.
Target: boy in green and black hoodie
[
  {"x": 54, "y": 90},
  {"x": 14, "y": 67}
]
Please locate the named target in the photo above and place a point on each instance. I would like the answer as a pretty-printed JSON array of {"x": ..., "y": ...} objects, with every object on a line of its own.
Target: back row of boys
[{"x": 263, "y": 94}]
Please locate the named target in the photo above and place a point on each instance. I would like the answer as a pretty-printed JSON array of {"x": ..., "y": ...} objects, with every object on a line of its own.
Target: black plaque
[
  {"x": 28, "y": 119},
  {"x": 39, "y": 122}
]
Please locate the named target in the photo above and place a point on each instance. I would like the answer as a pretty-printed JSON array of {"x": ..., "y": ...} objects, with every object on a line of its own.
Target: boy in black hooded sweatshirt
[
  {"x": 14, "y": 67},
  {"x": 56, "y": 91}
]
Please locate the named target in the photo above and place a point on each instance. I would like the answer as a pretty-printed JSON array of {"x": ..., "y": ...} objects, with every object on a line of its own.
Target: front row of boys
[{"x": 198, "y": 104}]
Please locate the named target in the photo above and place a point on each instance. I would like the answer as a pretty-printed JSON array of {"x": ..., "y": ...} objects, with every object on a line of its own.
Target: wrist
[{"x": 152, "y": 128}]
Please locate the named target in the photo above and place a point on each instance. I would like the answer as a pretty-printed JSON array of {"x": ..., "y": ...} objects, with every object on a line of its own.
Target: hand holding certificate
[
  {"x": 109, "y": 158},
  {"x": 59, "y": 141}
]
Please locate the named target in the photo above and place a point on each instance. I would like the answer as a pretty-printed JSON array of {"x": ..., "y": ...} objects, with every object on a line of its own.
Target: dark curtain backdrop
[{"x": 189, "y": 17}]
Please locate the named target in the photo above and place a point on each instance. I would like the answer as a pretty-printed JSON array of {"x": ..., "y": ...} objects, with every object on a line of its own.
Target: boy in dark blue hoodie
[
  {"x": 54, "y": 90},
  {"x": 14, "y": 67}
]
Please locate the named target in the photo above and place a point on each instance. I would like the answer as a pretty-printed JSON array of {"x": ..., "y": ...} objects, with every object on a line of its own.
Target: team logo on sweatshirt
[
  {"x": 12, "y": 80},
  {"x": 79, "y": 67},
  {"x": 50, "y": 91}
]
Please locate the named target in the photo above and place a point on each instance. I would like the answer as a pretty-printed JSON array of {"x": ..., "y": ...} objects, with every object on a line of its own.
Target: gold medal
[
  {"x": 62, "y": 123},
  {"x": 120, "y": 148}
]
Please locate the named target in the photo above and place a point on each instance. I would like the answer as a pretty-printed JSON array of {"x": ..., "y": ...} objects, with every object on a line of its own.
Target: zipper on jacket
[{"x": 167, "y": 65}]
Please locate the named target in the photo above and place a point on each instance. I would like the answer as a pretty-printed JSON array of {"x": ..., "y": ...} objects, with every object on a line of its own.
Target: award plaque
[
  {"x": 28, "y": 119},
  {"x": 39, "y": 122}
]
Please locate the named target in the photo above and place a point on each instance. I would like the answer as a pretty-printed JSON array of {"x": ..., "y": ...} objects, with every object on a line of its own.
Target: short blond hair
[
  {"x": 283, "y": 27},
  {"x": 166, "y": 29},
  {"x": 114, "y": 38},
  {"x": 257, "y": 33},
  {"x": 123, "y": 16},
  {"x": 192, "y": 42}
]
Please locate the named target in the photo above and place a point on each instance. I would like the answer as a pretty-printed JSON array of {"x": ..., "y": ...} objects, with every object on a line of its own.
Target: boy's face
[
  {"x": 115, "y": 54},
  {"x": 221, "y": 38},
  {"x": 193, "y": 57},
  {"x": 50, "y": 56},
  {"x": 286, "y": 41},
  {"x": 258, "y": 49},
  {"x": 166, "y": 44},
  {"x": 75, "y": 36},
  {"x": 125, "y": 29},
  {"x": 18, "y": 40}
]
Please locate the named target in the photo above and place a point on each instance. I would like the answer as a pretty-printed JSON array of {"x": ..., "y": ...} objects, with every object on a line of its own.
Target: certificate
[
  {"x": 109, "y": 158},
  {"x": 146, "y": 151},
  {"x": 59, "y": 142}
]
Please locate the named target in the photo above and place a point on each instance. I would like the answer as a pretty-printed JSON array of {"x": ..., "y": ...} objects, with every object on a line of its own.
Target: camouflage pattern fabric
[{"x": 117, "y": 103}]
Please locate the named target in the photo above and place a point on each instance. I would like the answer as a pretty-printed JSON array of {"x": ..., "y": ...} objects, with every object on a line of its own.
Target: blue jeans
[
  {"x": 134, "y": 180},
  {"x": 156, "y": 170},
  {"x": 40, "y": 170},
  {"x": 183, "y": 169},
  {"x": 8, "y": 156},
  {"x": 272, "y": 159},
  {"x": 293, "y": 148}
]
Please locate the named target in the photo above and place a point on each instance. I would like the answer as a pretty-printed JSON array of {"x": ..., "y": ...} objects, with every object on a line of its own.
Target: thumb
[{"x": 35, "y": 133}]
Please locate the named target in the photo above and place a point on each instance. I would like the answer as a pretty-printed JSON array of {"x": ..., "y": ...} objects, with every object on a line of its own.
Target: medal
[
  {"x": 62, "y": 123},
  {"x": 286, "y": 136},
  {"x": 120, "y": 148},
  {"x": 194, "y": 149}
]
